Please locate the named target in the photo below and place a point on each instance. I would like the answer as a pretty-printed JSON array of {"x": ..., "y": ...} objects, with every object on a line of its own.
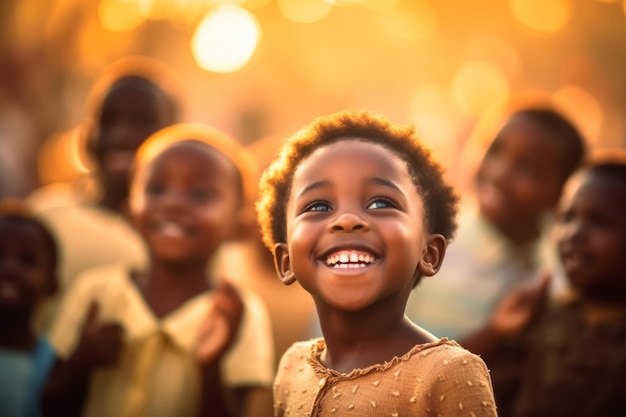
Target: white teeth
[
  {"x": 171, "y": 229},
  {"x": 349, "y": 259}
]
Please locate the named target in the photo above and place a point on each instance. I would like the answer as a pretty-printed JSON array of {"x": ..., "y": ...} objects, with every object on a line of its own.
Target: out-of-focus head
[
  {"x": 523, "y": 171},
  {"x": 193, "y": 188},
  {"x": 28, "y": 258},
  {"x": 129, "y": 101},
  {"x": 591, "y": 228}
]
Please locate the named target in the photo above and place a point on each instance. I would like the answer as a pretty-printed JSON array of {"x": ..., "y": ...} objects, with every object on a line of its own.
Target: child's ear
[
  {"x": 433, "y": 257},
  {"x": 282, "y": 263}
]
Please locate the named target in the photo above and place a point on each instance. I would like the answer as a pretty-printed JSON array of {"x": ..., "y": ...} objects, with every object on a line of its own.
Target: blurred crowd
[{"x": 121, "y": 293}]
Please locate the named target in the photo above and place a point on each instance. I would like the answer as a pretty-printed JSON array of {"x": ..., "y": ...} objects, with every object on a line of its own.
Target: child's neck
[
  {"x": 357, "y": 341},
  {"x": 16, "y": 332},
  {"x": 166, "y": 286}
]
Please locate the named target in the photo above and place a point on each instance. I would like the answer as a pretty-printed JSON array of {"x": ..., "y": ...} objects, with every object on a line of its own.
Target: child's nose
[
  {"x": 173, "y": 200},
  {"x": 574, "y": 230},
  {"x": 348, "y": 221}
]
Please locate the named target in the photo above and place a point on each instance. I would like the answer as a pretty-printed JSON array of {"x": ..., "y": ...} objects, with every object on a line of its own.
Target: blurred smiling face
[
  {"x": 185, "y": 202},
  {"x": 591, "y": 234},
  {"x": 25, "y": 265},
  {"x": 521, "y": 174}
]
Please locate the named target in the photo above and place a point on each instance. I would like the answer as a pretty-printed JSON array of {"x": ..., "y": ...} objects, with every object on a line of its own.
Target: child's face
[
  {"x": 521, "y": 175},
  {"x": 355, "y": 228},
  {"x": 185, "y": 202},
  {"x": 591, "y": 235},
  {"x": 131, "y": 111},
  {"x": 25, "y": 266}
]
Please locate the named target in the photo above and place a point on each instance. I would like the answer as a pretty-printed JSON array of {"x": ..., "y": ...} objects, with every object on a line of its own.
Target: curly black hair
[{"x": 440, "y": 200}]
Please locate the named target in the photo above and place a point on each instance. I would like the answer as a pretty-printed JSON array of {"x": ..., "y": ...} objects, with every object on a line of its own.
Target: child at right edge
[
  {"x": 357, "y": 211},
  {"x": 574, "y": 360}
]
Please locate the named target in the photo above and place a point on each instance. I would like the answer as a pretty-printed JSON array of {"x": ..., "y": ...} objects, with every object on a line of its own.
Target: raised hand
[
  {"x": 100, "y": 344},
  {"x": 520, "y": 306},
  {"x": 221, "y": 325}
]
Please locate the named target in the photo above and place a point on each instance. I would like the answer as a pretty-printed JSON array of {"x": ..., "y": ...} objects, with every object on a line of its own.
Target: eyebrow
[
  {"x": 373, "y": 180},
  {"x": 314, "y": 186},
  {"x": 385, "y": 182}
]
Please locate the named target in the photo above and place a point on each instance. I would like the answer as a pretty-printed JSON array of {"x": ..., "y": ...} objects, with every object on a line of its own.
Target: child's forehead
[
  {"x": 355, "y": 154},
  {"x": 21, "y": 226},
  {"x": 190, "y": 153},
  {"x": 367, "y": 146}
]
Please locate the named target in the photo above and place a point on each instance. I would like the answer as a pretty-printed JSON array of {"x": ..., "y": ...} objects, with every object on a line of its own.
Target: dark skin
[
  {"x": 132, "y": 109},
  {"x": 354, "y": 202},
  {"x": 591, "y": 235},
  {"x": 184, "y": 208},
  {"x": 520, "y": 179},
  {"x": 26, "y": 278}
]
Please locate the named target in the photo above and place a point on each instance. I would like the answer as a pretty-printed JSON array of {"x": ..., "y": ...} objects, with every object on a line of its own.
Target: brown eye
[{"x": 200, "y": 195}]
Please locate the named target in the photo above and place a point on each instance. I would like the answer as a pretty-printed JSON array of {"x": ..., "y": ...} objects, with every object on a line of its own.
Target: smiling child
[
  {"x": 357, "y": 211},
  {"x": 167, "y": 340}
]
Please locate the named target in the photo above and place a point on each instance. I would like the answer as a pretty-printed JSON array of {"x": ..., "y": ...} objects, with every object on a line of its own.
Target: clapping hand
[
  {"x": 221, "y": 325},
  {"x": 520, "y": 306}
]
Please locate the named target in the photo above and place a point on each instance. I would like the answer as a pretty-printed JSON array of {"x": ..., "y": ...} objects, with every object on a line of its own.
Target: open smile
[{"x": 350, "y": 259}]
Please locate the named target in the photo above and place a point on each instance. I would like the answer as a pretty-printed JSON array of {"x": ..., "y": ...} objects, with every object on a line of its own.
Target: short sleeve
[{"x": 462, "y": 386}]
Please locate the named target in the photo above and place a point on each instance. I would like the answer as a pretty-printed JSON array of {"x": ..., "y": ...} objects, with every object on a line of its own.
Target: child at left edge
[
  {"x": 168, "y": 341},
  {"x": 356, "y": 210},
  {"x": 28, "y": 276}
]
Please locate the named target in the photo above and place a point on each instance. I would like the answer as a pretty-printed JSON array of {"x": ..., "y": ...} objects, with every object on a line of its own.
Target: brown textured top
[{"x": 433, "y": 379}]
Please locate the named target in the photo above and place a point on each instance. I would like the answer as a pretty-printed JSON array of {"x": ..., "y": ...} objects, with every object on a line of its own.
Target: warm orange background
[{"x": 438, "y": 64}]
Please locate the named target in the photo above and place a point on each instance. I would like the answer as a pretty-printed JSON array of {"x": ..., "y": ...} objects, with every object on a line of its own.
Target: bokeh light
[
  {"x": 379, "y": 4},
  {"x": 225, "y": 39},
  {"x": 304, "y": 11},
  {"x": 417, "y": 22},
  {"x": 542, "y": 15},
  {"x": 431, "y": 111},
  {"x": 120, "y": 15},
  {"x": 582, "y": 108},
  {"x": 477, "y": 85},
  {"x": 495, "y": 49}
]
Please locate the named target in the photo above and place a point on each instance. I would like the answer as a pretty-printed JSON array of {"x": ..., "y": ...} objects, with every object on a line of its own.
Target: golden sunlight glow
[
  {"x": 380, "y": 4},
  {"x": 159, "y": 9},
  {"x": 542, "y": 15},
  {"x": 432, "y": 113},
  {"x": 119, "y": 15},
  {"x": 344, "y": 2},
  {"x": 477, "y": 85},
  {"x": 495, "y": 49},
  {"x": 583, "y": 109},
  {"x": 304, "y": 11},
  {"x": 225, "y": 39},
  {"x": 412, "y": 23},
  {"x": 255, "y": 4},
  {"x": 62, "y": 157}
]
